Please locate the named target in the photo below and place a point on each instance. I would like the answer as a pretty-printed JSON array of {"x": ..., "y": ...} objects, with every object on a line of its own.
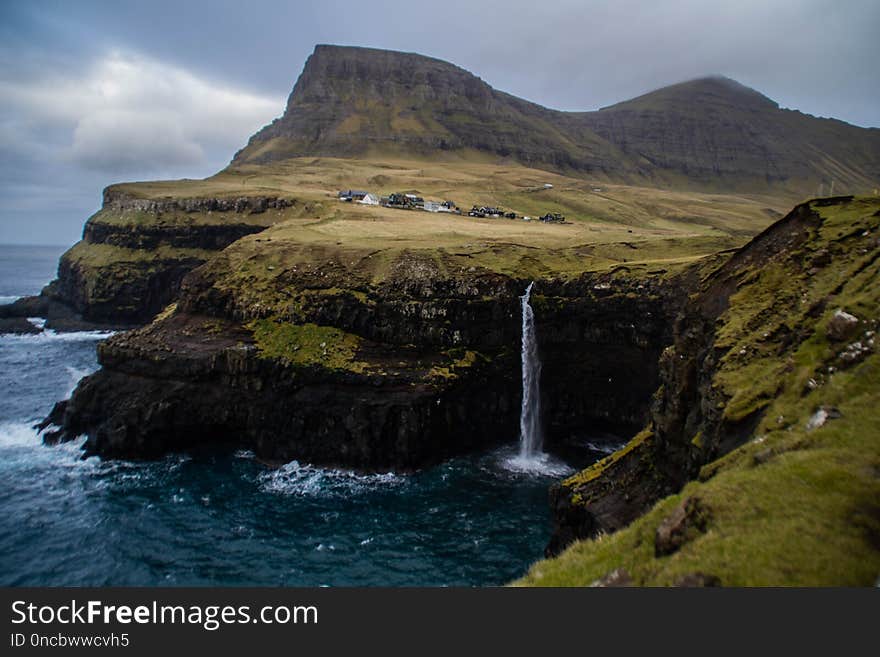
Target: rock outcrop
[{"x": 135, "y": 251}]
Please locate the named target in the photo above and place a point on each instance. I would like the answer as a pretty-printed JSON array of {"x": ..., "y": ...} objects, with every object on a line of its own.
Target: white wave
[
  {"x": 21, "y": 443},
  {"x": 50, "y": 335},
  {"x": 304, "y": 480},
  {"x": 76, "y": 375},
  {"x": 39, "y": 322},
  {"x": 7, "y": 299},
  {"x": 540, "y": 464},
  {"x": 18, "y": 434}
]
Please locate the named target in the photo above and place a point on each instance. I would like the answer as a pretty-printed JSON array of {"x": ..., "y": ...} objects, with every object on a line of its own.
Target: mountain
[
  {"x": 711, "y": 133},
  {"x": 717, "y": 130},
  {"x": 351, "y": 101}
]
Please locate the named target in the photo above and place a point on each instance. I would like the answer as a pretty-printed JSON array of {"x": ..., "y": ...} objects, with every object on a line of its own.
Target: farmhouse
[{"x": 352, "y": 195}]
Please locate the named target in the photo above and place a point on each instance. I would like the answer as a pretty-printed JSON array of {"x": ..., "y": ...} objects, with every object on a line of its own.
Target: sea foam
[{"x": 306, "y": 480}]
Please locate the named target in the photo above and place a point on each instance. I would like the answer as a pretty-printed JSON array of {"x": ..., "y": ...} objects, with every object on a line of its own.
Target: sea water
[{"x": 223, "y": 518}]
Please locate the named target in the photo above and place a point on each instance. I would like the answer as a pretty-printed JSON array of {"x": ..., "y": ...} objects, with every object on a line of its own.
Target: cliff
[
  {"x": 371, "y": 357},
  {"x": 763, "y": 427},
  {"x": 136, "y": 250}
]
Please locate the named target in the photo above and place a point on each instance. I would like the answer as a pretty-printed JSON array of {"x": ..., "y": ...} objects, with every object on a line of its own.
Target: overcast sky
[{"x": 98, "y": 92}]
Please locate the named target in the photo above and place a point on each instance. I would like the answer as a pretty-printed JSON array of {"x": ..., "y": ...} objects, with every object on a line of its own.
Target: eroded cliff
[
  {"x": 767, "y": 406},
  {"x": 136, "y": 250},
  {"x": 370, "y": 359}
]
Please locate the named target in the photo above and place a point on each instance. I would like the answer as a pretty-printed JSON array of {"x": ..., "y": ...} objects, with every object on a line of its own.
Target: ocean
[{"x": 220, "y": 517}]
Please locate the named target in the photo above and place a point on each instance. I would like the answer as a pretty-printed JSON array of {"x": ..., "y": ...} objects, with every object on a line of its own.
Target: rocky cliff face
[
  {"x": 135, "y": 252},
  {"x": 710, "y": 133},
  {"x": 752, "y": 334},
  {"x": 389, "y": 374}
]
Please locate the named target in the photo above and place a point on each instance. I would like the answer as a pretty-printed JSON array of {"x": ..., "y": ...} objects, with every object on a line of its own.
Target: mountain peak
[{"x": 713, "y": 90}]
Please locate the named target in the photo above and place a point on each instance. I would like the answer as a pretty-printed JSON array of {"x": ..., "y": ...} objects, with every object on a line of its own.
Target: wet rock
[
  {"x": 842, "y": 326},
  {"x": 697, "y": 580},
  {"x": 689, "y": 518},
  {"x": 616, "y": 578},
  {"x": 25, "y": 307},
  {"x": 54, "y": 419},
  {"x": 19, "y": 325}
]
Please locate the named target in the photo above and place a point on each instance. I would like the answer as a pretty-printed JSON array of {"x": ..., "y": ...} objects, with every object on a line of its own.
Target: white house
[{"x": 369, "y": 199}]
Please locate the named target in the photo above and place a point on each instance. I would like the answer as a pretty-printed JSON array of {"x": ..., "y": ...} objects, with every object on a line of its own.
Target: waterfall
[{"x": 530, "y": 437}]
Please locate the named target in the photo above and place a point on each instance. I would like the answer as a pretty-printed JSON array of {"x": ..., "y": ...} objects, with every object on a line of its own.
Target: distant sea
[{"x": 221, "y": 517}]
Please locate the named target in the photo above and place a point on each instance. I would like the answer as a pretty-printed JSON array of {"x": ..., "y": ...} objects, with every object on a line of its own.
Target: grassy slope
[
  {"x": 792, "y": 506},
  {"x": 610, "y": 224}
]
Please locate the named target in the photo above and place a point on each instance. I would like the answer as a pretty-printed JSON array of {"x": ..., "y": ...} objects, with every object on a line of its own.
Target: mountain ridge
[{"x": 707, "y": 133}]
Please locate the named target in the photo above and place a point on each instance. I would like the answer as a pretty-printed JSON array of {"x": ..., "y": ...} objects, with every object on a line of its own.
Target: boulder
[
  {"x": 689, "y": 518},
  {"x": 842, "y": 326}
]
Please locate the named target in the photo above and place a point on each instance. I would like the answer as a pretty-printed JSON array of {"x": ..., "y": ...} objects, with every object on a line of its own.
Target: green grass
[
  {"x": 306, "y": 344},
  {"x": 807, "y": 516},
  {"x": 642, "y": 228}
]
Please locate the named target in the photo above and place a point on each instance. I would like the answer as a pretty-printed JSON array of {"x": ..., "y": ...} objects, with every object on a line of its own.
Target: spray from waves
[
  {"x": 52, "y": 336},
  {"x": 21, "y": 448},
  {"x": 4, "y": 299},
  {"x": 17, "y": 435},
  {"x": 304, "y": 480},
  {"x": 76, "y": 375}
]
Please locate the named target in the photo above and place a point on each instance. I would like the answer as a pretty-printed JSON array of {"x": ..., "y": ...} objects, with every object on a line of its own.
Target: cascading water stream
[
  {"x": 530, "y": 438},
  {"x": 530, "y": 458}
]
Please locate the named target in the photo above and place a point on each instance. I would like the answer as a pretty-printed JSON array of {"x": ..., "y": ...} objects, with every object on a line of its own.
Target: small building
[
  {"x": 352, "y": 195},
  {"x": 548, "y": 186},
  {"x": 369, "y": 199},
  {"x": 415, "y": 201}
]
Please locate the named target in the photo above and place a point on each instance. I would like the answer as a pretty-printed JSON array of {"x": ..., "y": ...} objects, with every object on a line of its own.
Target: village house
[
  {"x": 352, "y": 195},
  {"x": 369, "y": 199}
]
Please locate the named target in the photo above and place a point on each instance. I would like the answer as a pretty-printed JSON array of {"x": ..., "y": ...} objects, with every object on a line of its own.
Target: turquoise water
[{"x": 223, "y": 518}]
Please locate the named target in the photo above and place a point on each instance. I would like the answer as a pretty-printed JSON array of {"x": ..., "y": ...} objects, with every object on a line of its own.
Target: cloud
[
  {"x": 114, "y": 140},
  {"x": 129, "y": 114}
]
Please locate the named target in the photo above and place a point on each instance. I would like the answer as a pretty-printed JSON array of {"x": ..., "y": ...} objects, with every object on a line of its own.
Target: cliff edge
[{"x": 764, "y": 427}]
